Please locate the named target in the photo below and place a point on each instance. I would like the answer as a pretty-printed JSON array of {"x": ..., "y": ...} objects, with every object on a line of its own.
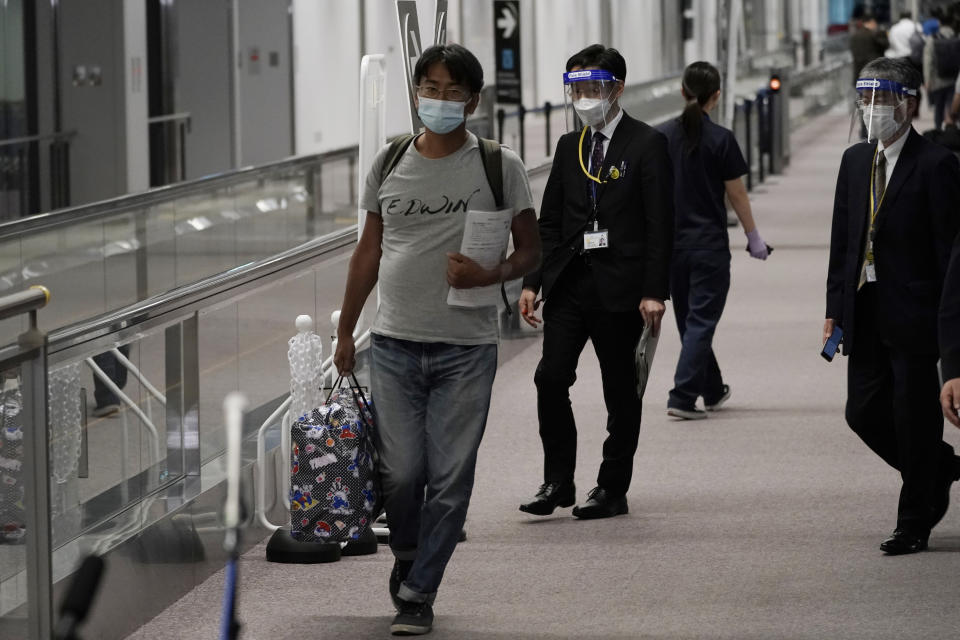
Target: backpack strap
[
  {"x": 492, "y": 156},
  {"x": 398, "y": 147}
]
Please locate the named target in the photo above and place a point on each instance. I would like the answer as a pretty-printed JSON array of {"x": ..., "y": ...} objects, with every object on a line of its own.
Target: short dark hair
[
  {"x": 895, "y": 69},
  {"x": 463, "y": 66},
  {"x": 596, "y": 55}
]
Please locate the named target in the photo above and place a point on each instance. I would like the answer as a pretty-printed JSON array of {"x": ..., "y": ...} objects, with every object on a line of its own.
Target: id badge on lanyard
[{"x": 598, "y": 238}]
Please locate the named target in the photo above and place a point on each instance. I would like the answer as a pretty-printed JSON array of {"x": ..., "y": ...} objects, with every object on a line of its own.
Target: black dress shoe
[
  {"x": 601, "y": 504},
  {"x": 903, "y": 541},
  {"x": 549, "y": 496}
]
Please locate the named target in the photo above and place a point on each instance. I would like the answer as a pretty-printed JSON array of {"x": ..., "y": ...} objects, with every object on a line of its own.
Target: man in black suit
[
  {"x": 894, "y": 219},
  {"x": 606, "y": 224},
  {"x": 950, "y": 339}
]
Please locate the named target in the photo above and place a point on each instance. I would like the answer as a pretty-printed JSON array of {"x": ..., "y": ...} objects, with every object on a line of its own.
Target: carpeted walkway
[{"x": 761, "y": 522}]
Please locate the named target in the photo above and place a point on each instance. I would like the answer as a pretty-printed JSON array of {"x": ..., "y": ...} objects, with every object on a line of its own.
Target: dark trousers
[
  {"x": 940, "y": 99},
  {"x": 574, "y": 313},
  {"x": 699, "y": 282},
  {"x": 115, "y": 371},
  {"x": 893, "y": 405}
]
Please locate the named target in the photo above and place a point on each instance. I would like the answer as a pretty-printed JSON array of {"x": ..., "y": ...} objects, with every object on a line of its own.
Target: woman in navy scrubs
[{"x": 707, "y": 165}]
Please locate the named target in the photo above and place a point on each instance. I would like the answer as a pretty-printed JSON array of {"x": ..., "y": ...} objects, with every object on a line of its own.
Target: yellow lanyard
[{"x": 582, "y": 166}]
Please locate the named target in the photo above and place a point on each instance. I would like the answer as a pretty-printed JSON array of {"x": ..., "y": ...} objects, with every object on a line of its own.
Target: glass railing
[{"x": 102, "y": 257}]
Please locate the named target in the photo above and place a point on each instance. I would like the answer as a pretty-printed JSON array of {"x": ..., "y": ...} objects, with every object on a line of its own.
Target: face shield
[
  {"x": 882, "y": 109},
  {"x": 588, "y": 98}
]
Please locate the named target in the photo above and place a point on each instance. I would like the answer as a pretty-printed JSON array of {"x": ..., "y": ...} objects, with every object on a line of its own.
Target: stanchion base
[
  {"x": 365, "y": 546},
  {"x": 283, "y": 548}
]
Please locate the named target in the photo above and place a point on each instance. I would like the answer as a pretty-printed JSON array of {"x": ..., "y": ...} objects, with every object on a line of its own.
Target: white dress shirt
[
  {"x": 892, "y": 152},
  {"x": 607, "y": 132}
]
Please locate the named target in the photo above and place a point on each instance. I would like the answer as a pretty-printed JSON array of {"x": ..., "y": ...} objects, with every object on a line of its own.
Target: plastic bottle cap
[{"x": 304, "y": 323}]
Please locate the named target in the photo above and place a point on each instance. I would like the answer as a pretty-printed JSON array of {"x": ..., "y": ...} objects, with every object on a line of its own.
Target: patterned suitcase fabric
[{"x": 334, "y": 486}]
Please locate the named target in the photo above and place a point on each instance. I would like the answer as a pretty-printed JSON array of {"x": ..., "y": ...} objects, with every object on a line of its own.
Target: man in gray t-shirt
[
  {"x": 432, "y": 364},
  {"x": 422, "y": 206}
]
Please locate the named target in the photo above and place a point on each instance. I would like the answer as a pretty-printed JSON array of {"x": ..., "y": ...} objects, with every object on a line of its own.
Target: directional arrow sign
[
  {"x": 506, "y": 28},
  {"x": 508, "y": 20}
]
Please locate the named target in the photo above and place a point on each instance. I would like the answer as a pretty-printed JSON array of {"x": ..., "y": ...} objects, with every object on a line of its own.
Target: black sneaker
[
  {"x": 724, "y": 396},
  {"x": 400, "y": 570},
  {"x": 412, "y": 619}
]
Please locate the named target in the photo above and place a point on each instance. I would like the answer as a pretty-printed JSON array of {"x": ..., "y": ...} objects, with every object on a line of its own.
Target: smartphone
[
  {"x": 832, "y": 347},
  {"x": 769, "y": 250}
]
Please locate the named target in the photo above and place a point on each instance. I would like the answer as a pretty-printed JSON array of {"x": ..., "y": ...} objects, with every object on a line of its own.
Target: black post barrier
[
  {"x": 768, "y": 132},
  {"x": 547, "y": 108},
  {"x": 501, "y": 116},
  {"x": 522, "y": 114},
  {"x": 761, "y": 135},
  {"x": 24, "y": 185},
  {"x": 747, "y": 108}
]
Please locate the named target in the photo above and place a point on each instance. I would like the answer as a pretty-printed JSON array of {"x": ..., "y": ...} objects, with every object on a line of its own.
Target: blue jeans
[
  {"x": 431, "y": 402},
  {"x": 699, "y": 282}
]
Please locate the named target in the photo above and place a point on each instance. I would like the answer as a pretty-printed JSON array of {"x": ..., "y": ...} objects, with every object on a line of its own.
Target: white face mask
[
  {"x": 884, "y": 122},
  {"x": 592, "y": 111}
]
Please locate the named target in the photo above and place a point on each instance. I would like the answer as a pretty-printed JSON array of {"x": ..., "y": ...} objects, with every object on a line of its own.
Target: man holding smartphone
[{"x": 894, "y": 220}]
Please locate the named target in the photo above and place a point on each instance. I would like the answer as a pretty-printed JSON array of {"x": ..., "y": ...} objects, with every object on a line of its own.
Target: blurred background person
[
  {"x": 900, "y": 35},
  {"x": 867, "y": 41},
  {"x": 939, "y": 88}
]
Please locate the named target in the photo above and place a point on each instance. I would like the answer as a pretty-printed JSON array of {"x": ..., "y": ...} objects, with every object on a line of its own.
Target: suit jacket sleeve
[
  {"x": 944, "y": 197},
  {"x": 838, "y": 247},
  {"x": 944, "y": 194},
  {"x": 551, "y": 218},
  {"x": 656, "y": 191}
]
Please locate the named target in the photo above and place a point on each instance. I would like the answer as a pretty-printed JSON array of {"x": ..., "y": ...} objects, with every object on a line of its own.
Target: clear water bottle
[{"x": 306, "y": 369}]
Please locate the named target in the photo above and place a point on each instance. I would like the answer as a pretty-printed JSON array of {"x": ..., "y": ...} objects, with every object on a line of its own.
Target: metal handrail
[
  {"x": 170, "y": 117},
  {"x": 27, "y": 301},
  {"x": 820, "y": 71},
  {"x": 57, "y": 135},
  {"x": 161, "y": 195},
  {"x": 253, "y": 274}
]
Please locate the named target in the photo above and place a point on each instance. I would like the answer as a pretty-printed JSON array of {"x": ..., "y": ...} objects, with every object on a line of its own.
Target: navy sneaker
[
  {"x": 724, "y": 396},
  {"x": 400, "y": 570},
  {"x": 412, "y": 619},
  {"x": 687, "y": 414}
]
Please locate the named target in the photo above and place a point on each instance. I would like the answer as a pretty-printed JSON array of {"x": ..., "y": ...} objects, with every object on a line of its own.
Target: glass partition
[{"x": 96, "y": 262}]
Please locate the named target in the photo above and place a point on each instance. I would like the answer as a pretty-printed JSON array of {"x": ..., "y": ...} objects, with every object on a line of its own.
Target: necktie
[
  {"x": 878, "y": 183},
  {"x": 596, "y": 163}
]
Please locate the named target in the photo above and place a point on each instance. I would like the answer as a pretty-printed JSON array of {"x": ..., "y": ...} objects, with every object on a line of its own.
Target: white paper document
[{"x": 485, "y": 237}]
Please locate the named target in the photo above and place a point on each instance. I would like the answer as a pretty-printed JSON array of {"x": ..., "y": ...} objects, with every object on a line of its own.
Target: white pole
[
  {"x": 139, "y": 375},
  {"x": 125, "y": 399},
  {"x": 733, "y": 28},
  {"x": 233, "y": 406}
]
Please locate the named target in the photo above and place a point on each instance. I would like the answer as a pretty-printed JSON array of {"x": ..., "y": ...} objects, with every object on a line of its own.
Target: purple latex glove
[{"x": 756, "y": 246}]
